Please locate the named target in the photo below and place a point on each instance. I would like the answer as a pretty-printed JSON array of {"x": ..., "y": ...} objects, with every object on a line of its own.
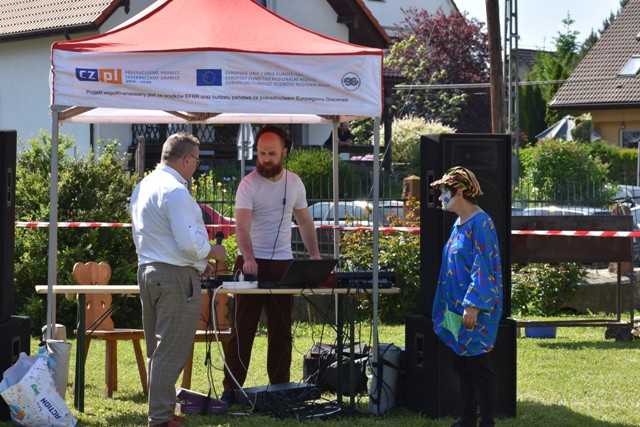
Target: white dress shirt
[{"x": 167, "y": 223}]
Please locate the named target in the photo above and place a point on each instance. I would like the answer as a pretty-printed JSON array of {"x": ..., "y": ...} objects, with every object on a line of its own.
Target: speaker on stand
[
  {"x": 432, "y": 385},
  {"x": 14, "y": 330}
]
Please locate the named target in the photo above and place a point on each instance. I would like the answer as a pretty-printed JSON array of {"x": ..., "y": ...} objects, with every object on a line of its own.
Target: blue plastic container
[{"x": 540, "y": 331}]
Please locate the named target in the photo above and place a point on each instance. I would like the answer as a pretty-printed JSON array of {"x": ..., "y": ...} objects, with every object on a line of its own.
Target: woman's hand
[{"x": 470, "y": 317}]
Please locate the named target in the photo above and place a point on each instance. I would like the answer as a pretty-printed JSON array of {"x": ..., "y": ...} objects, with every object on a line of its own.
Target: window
[
  {"x": 631, "y": 68},
  {"x": 629, "y": 137}
]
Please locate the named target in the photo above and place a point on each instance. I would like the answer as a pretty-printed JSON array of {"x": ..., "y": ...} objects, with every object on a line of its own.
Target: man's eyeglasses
[{"x": 195, "y": 158}]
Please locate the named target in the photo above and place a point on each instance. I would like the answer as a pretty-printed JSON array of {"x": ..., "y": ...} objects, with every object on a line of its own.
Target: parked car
[
  {"x": 349, "y": 213},
  {"x": 564, "y": 211}
]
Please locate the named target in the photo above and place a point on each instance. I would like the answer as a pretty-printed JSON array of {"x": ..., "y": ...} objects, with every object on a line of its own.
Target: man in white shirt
[
  {"x": 173, "y": 252},
  {"x": 266, "y": 199}
]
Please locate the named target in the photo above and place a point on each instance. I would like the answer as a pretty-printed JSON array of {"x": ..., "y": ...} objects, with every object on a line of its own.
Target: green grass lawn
[{"x": 577, "y": 379}]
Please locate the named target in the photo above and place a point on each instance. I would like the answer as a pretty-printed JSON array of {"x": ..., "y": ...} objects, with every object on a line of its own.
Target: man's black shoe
[
  {"x": 463, "y": 422},
  {"x": 228, "y": 397}
]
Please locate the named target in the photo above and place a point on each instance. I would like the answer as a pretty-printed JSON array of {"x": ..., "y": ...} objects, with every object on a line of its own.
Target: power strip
[{"x": 239, "y": 285}]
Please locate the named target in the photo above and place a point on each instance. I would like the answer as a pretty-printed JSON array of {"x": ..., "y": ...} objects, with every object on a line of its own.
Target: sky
[{"x": 539, "y": 21}]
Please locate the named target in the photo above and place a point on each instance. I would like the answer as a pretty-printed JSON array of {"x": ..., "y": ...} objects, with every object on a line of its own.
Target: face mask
[{"x": 445, "y": 199}]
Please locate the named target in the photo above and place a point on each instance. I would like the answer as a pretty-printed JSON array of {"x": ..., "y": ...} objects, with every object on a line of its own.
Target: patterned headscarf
[{"x": 461, "y": 179}]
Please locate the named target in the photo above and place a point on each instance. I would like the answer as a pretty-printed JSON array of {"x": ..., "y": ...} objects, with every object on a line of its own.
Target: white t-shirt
[{"x": 265, "y": 198}]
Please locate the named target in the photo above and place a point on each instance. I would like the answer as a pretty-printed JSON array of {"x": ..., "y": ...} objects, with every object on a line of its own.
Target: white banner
[{"x": 220, "y": 82}]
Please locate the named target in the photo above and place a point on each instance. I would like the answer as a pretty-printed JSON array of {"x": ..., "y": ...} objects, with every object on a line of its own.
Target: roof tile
[
  {"x": 24, "y": 17},
  {"x": 595, "y": 81}
]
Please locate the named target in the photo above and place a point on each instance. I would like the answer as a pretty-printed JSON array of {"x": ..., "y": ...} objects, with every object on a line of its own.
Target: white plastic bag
[{"x": 31, "y": 395}]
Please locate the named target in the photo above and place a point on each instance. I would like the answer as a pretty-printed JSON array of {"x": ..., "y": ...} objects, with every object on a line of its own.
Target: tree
[
  {"x": 439, "y": 48},
  {"x": 556, "y": 66}
]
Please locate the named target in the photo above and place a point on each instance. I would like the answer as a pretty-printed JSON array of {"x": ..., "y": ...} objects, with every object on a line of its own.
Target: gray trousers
[{"x": 170, "y": 298}]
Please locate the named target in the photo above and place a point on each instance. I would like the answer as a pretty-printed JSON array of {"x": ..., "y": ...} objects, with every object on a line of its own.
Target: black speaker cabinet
[
  {"x": 14, "y": 339},
  {"x": 432, "y": 386},
  {"x": 489, "y": 157},
  {"x": 7, "y": 222}
]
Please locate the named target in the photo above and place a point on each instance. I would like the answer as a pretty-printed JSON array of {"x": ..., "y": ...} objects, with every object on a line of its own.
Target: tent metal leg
[
  {"x": 376, "y": 233},
  {"x": 336, "y": 189},
  {"x": 52, "y": 272}
]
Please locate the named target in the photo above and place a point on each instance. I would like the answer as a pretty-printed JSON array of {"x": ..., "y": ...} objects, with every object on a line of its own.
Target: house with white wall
[{"x": 29, "y": 27}]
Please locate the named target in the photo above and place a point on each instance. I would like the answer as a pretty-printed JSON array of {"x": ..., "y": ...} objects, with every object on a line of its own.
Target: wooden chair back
[{"x": 93, "y": 273}]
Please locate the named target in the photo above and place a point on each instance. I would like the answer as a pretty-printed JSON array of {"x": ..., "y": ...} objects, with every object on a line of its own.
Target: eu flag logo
[{"x": 209, "y": 77}]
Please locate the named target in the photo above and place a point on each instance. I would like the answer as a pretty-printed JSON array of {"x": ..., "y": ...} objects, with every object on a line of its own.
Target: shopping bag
[{"x": 29, "y": 390}]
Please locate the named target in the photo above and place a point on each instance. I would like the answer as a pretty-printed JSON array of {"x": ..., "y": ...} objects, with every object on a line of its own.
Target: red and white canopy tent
[{"x": 213, "y": 61}]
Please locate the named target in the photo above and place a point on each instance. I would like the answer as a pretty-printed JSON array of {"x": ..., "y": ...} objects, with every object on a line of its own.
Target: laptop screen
[{"x": 307, "y": 273}]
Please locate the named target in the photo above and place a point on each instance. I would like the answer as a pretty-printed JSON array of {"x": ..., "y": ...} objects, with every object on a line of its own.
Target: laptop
[{"x": 303, "y": 273}]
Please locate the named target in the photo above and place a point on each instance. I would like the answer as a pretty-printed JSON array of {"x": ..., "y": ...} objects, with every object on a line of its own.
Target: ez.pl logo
[{"x": 106, "y": 75}]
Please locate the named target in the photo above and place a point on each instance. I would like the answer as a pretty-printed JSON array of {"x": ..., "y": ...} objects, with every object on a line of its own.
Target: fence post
[{"x": 139, "y": 159}]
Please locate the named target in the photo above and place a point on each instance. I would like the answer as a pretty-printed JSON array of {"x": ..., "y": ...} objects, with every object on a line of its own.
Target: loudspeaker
[
  {"x": 489, "y": 157},
  {"x": 7, "y": 222},
  {"x": 14, "y": 339},
  {"x": 433, "y": 386}
]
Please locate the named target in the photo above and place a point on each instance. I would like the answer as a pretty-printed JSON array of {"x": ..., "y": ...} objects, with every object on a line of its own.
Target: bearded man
[{"x": 265, "y": 202}]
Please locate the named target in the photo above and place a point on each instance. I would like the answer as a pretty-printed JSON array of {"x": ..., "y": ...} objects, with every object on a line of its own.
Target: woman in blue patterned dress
[{"x": 468, "y": 301}]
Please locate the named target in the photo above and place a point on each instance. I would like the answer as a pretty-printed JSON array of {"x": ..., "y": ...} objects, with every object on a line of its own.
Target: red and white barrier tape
[
  {"x": 84, "y": 224},
  {"x": 576, "y": 233},
  {"x": 412, "y": 230}
]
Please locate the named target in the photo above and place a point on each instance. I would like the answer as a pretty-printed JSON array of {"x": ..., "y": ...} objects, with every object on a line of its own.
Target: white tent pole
[
  {"x": 336, "y": 189},
  {"x": 52, "y": 274},
  {"x": 376, "y": 233}
]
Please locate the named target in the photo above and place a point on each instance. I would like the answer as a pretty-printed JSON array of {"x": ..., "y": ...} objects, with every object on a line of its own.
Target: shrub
[
  {"x": 399, "y": 253},
  {"x": 231, "y": 246},
  {"x": 621, "y": 162},
  {"x": 563, "y": 171},
  {"x": 94, "y": 188},
  {"x": 543, "y": 289},
  {"x": 406, "y": 133},
  {"x": 315, "y": 168}
]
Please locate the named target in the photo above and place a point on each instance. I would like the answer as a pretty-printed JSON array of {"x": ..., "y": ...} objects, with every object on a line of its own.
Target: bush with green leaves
[
  {"x": 231, "y": 247},
  {"x": 399, "y": 253},
  {"x": 405, "y": 136},
  {"x": 562, "y": 172},
  {"x": 93, "y": 188},
  {"x": 622, "y": 163},
  {"x": 315, "y": 167},
  {"x": 544, "y": 289}
]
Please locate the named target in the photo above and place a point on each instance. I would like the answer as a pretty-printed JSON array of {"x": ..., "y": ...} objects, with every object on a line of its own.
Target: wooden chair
[
  {"x": 223, "y": 306},
  {"x": 98, "y": 306}
]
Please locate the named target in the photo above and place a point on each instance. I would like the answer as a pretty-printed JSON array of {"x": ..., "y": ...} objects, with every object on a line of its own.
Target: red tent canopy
[
  {"x": 220, "y": 25},
  {"x": 216, "y": 56}
]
